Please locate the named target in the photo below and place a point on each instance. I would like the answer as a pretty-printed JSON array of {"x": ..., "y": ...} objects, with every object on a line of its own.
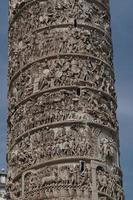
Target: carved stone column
[{"x": 62, "y": 127}]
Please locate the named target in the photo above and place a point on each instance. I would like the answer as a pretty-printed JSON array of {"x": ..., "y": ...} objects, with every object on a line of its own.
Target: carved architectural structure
[{"x": 63, "y": 134}]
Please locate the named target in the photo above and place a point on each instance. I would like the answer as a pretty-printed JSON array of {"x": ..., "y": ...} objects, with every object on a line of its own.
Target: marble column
[{"x": 63, "y": 140}]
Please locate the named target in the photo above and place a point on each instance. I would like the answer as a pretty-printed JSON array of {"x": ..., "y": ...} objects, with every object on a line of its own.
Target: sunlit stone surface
[{"x": 63, "y": 141}]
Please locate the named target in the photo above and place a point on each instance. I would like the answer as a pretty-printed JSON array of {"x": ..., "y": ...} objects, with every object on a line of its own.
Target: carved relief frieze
[
  {"x": 108, "y": 149},
  {"x": 56, "y": 181},
  {"x": 51, "y": 107},
  {"x": 42, "y": 13},
  {"x": 62, "y": 127},
  {"x": 62, "y": 72},
  {"x": 109, "y": 183},
  {"x": 14, "y": 188},
  {"x": 53, "y": 143},
  {"x": 49, "y": 144},
  {"x": 54, "y": 42}
]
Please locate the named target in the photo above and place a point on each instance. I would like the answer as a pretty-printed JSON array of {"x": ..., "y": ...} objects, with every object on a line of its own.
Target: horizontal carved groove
[
  {"x": 58, "y": 124},
  {"x": 34, "y": 1},
  {"x": 59, "y": 26},
  {"x": 54, "y": 89},
  {"x": 56, "y": 162},
  {"x": 85, "y": 26},
  {"x": 57, "y": 56},
  {"x": 64, "y": 160}
]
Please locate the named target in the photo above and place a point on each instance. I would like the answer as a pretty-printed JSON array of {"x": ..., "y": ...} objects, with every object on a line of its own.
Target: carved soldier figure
[{"x": 43, "y": 82}]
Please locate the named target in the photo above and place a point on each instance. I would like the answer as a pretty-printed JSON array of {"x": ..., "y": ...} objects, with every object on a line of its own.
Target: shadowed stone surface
[{"x": 63, "y": 133}]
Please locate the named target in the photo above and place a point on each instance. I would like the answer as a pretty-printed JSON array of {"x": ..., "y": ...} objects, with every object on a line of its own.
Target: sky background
[{"x": 122, "y": 30}]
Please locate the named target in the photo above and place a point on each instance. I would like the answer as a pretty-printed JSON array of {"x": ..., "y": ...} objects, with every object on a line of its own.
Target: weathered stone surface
[{"x": 62, "y": 128}]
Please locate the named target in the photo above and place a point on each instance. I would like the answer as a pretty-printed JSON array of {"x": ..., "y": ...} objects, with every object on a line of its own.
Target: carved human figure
[
  {"x": 106, "y": 149},
  {"x": 102, "y": 181}
]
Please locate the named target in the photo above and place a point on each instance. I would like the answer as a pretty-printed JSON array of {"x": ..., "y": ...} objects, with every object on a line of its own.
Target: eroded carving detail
[
  {"x": 109, "y": 184},
  {"x": 55, "y": 143},
  {"x": 59, "y": 182},
  {"x": 55, "y": 106}
]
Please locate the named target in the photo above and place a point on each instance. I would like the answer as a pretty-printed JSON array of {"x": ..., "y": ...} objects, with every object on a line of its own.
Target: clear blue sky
[{"x": 122, "y": 28}]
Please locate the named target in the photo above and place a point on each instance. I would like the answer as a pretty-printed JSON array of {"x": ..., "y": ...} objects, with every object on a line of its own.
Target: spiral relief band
[
  {"x": 61, "y": 56},
  {"x": 23, "y": 4},
  {"x": 63, "y": 140}
]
